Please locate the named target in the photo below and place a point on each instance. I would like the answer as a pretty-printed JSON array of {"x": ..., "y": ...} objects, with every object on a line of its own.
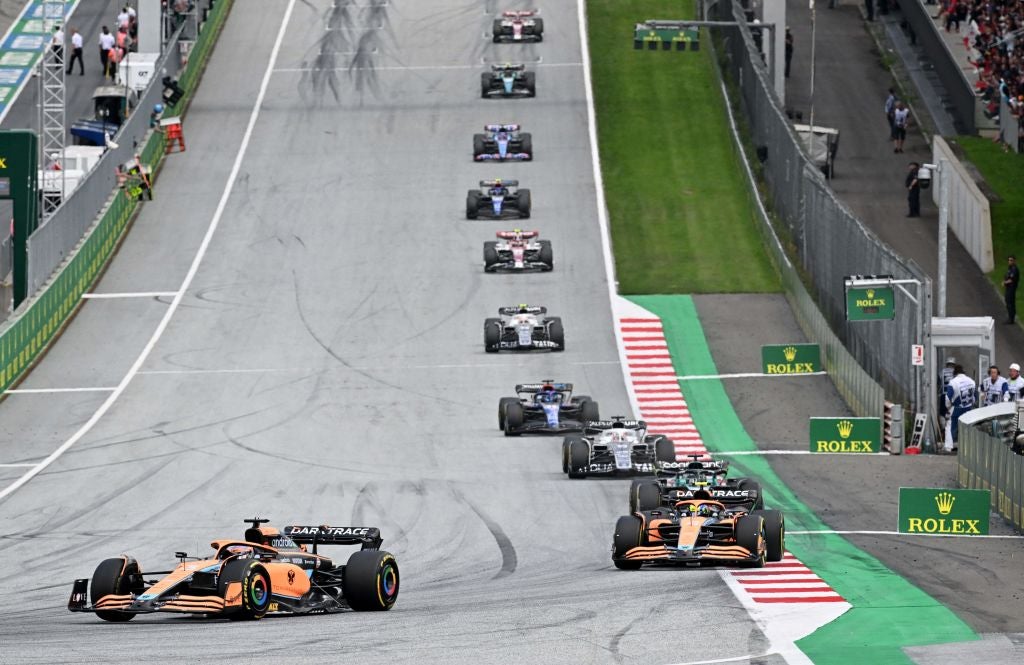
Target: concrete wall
[{"x": 969, "y": 215}]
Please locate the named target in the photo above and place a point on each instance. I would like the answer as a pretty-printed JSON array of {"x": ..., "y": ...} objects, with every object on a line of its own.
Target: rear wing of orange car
[{"x": 366, "y": 536}]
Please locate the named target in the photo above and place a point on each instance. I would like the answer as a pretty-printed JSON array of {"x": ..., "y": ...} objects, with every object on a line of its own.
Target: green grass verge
[
  {"x": 681, "y": 220},
  {"x": 1004, "y": 173},
  {"x": 877, "y": 627}
]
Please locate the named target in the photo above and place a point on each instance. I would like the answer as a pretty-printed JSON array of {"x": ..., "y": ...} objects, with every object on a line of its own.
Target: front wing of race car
[
  {"x": 509, "y": 265},
  {"x": 538, "y": 425},
  {"x": 696, "y": 555}
]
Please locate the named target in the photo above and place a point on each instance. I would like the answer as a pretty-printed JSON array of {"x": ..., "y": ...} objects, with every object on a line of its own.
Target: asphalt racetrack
[{"x": 325, "y": 365}]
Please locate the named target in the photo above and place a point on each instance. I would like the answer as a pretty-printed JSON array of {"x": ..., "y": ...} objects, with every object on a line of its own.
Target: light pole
[
  {"x": 924, "y": 177},
  {"x": 814, "y": 24}
]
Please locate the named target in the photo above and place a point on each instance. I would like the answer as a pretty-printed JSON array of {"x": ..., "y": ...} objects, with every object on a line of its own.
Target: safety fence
[
  {"x": 862, "y": 393},
  {"x": 988, "y": 462},
  {"x": 968, "y": 211},
  {"x": 34, "y": 325},
  {"x": 828, "y": 239}
]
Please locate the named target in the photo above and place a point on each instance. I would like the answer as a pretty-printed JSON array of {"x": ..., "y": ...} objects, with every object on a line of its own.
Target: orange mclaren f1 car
[
  {"x": 696, "y": 531},
  {"x": 269, "y": 571}
]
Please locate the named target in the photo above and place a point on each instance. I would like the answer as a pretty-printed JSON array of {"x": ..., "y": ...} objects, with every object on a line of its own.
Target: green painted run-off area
[{"x": 888, "y": 612}]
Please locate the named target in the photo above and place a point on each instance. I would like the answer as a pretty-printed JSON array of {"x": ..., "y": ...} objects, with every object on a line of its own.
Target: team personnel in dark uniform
[
  {"x": 913, "y": 190},
  {"x": 1010, "y": 282}
]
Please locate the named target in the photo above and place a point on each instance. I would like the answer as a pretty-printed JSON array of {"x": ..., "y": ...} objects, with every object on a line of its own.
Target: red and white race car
[
  {"x": 518, "y": 26},
  {"x": 518, "y": 251}
]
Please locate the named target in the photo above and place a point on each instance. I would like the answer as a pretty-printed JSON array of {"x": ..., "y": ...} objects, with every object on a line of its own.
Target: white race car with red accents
[
  {"x": 518, "y": 26},
  {"x": 518, "y": 251}
]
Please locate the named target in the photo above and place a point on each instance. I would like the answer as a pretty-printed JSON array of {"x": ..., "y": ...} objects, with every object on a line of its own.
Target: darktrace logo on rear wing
[
  {"x": 367, "y": 536},
  {"x": 715, "y": 493}
]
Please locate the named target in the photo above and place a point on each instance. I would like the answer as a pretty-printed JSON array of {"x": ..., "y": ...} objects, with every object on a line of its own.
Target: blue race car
[
  {"x": 502, "y": 143},
  {"x": 498, "y": 199},
  {"x": 545, "y": 408},
  {"x": 508, "y": 80}
]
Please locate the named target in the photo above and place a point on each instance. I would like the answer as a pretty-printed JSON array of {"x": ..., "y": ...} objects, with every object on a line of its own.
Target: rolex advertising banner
[
  {"x": 790, "y": 358},
  {"x": 846, "y": 435},
  {"x": 944, "y": 511},
  {"x": 870, "y": 304}
]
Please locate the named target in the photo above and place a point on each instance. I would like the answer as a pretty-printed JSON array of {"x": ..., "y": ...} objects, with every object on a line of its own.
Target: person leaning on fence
[
  {"x": 1014, "y": 384},
  {"x": 994, "y": 388},
  {"x": 959, "y": 400}
]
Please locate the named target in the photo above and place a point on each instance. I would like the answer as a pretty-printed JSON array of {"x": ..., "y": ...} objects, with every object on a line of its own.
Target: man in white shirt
[
  {"x": 57, "y": 45},
  {"x": 994, "y": 388},
  {"x": 124, "y": 18},
  {"x": 959, "y": 400},
  {"x": 1014, "y": 384},
  {"x": 107, "y": 42},
  {"x": 76, "y": 53}
]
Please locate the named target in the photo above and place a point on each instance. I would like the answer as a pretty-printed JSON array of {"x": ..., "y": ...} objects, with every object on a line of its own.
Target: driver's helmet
[
  {"x": 706, "y": 510},
  {"x": 547, "y": 395},
  {"x": 238, "y": 550},
  {"x": 525, "y": 309}
]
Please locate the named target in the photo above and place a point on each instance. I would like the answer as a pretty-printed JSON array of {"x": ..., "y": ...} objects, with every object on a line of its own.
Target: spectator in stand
[{"x": 1014, "y": 384}]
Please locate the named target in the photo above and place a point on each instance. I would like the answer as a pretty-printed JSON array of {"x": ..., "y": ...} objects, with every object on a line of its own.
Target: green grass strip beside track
[
  {"x": 681, "y": 219},
  {"x": 888, "y": 612}
]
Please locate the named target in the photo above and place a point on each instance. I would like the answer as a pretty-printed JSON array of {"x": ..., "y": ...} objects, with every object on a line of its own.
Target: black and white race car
[
  {"x": 615, "y": 447},
  {"x": 500, "y": 143},
  {"x": 678, "y": 481},
  {"x": 498, "y": 199},
  {"x": 518, "y": 26},
  {"x": 508, "y": 80},
  {"x": 545, "y": 408},
  {"x": 518, "y": 251},
  {"x": 523, "y": 328}
]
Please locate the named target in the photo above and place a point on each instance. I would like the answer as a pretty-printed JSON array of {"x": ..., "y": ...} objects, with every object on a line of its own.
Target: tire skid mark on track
[{"x": 509, "y": 559}]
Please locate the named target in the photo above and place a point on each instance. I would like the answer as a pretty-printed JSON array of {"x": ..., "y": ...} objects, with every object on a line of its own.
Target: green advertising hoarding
[
  {"x": 872, "y": 303},
  {"x": 651, "y": 34},
  {"x": 944, "y": 511},
  {"x": 846, "y": 435},
  {"x": 790, "y": 358}
]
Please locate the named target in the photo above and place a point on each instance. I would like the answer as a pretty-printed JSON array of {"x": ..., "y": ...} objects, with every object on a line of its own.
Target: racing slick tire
[
  {"x": 513, "y": 418},
  {"x": 538, "y": 28},
  {"x": 502, "y": 404},
  {"x": 113, "y": 577},
  {"x": 644, "y": 495},
  {"x": 478, "y": 145},
  {"x": 751, "y": 484},
  {"x": 556, "y": 333},
  {"x": 473, "y": 204},
  {"x": 579, "y": 458},
  {"x": 530, "y": 81},
  {"x": 546, "y": 255},
  {"x": 566, "y": 442},
  {"x": 492, "y": 332},
  {"x": 370, "y": 581},
  {"x": 664, "y": 450},
  {"x": 485, "y": 85},
  {"x": 524, "y": 203},
  {"x": 749, "y": 532},
  {"x": 628, "y": 534},
  {"x": 496, "y": 31},
  {"x": 256, "y": 589},
  {"x": 490, "y": 254},
  {"x": 589, "y": 410},
  {"x": 774, "y": 533},
  {"x": 526, "y": 141}
]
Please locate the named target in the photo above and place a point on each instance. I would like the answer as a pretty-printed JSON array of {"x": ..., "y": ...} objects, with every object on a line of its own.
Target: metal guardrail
[
  {"x": 987, "y": 462},
  {"x": 54, "y": 241},
  {"x": 829, "y": 241}
]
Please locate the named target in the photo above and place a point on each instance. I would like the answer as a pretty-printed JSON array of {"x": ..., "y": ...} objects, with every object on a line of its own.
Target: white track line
[
  {"x": 416, "y": 68},
  {"x": 186, "y": 283},
  {"x": 898, "y": 533},
  {"x": 747, "y": 375},
  {"x": 11, "y": 466},
  {"x": 46, "y": 391},
  {"x": 148, "y": 294},
  {"x": 797, "y": 452},
  {"x": 602, "y": 205},
  {"x": 735, "y": 659}
]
